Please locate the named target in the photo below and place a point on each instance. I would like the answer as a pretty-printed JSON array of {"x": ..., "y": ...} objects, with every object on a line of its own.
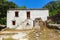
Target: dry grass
[{"x": 44, "y": 34}]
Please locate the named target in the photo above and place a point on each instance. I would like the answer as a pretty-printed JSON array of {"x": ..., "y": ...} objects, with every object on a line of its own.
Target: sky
[{"x": 31, "y": 3}]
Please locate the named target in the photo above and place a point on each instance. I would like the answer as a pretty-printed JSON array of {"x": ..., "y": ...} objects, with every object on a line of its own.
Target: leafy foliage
[
  {"x": 4, "y": 6},
  {"x": 22, "y": 7},
  {"x": 54, "y": 7}
]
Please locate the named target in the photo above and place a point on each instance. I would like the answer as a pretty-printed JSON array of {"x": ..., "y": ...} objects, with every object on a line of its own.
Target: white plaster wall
[
  {"x": 22, "y": 16},
  {"x": 24, "y": 25},
  {"x": 11, "y": 17},
  {"x": 39, "y": 13}
]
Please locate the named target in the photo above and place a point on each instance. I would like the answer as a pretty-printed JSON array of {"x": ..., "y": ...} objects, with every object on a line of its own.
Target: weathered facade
[{"x": 23, "y": 18}]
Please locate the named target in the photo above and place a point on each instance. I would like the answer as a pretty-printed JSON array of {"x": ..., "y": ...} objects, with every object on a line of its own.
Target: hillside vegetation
[{"x": 54, "y": 7}]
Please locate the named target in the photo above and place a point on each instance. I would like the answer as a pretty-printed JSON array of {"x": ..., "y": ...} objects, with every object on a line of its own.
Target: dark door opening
[{"x": 13, "y": 22}]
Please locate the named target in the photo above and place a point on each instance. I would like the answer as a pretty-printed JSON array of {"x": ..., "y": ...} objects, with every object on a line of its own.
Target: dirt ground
[{"x": 44, "y": 34}]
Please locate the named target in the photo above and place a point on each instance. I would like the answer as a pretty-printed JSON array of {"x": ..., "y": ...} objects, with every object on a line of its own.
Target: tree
[
  {"x": 54, "y": 7},
  {"x": 4, "y": 6},
  {"x": 22, "y": 7}
]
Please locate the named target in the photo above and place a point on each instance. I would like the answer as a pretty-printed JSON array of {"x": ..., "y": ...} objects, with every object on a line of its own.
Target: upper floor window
[
  {"x": 16, "y": 14},
  {"x": 28, "y": 15}
]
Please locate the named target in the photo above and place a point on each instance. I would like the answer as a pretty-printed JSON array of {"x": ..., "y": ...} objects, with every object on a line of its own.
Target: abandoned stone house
[{"x": 25, "y": 18}]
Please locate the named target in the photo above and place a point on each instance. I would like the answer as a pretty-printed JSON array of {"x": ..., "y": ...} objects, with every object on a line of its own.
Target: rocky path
[{"x": 44, "y": 34}]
